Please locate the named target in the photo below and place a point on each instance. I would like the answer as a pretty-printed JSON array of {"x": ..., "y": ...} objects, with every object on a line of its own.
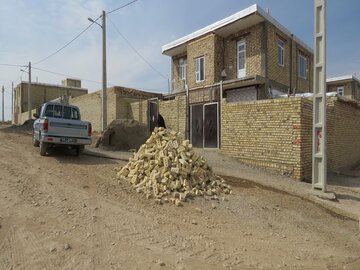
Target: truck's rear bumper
[{"x": 65, "y": 140}]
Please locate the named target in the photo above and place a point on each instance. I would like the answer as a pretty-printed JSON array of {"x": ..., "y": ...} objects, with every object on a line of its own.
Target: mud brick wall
[
  {"x": 174, "y": 113},
  {"x": 139, "y": 111},
  {"x": 90, "y": 108},
  {"x": 264, "y": 133}
]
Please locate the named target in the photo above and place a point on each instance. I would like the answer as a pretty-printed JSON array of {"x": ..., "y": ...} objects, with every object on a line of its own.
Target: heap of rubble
[{"x": 167, "y": 169}]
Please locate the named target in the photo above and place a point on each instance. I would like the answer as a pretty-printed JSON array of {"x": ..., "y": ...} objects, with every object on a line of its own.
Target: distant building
[
  {"x": 346, "y": 86},
  {"x": 41, "y": 93}
]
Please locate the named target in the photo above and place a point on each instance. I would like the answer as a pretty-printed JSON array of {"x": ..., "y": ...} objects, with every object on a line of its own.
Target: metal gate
[{"x": 204, "y": 131}]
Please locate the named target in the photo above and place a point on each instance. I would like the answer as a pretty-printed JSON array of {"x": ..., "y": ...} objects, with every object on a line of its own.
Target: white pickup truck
[{"x": 59, "y": 125}]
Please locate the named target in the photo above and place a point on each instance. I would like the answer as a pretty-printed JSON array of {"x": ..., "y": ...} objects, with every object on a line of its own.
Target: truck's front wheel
[{"x": 43, "y": 148}]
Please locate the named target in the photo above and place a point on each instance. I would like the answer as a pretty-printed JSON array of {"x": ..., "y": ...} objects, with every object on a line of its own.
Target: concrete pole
[
  {"x": 319, "y": 170},
  {"x": 29, "y": 92},
  {"x": 12, "y": 101},
  {"x": 104, "y": 82},
  {"x": 2, "y": 101}
]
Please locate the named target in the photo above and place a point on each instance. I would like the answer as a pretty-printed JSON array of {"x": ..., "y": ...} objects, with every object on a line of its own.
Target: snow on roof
[
  {"x": 254, "y": 9},
  {"x": 342, "y": 78}
]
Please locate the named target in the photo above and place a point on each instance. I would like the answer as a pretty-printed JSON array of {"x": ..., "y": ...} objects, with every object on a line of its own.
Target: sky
[{"x": 31, "y": 30}]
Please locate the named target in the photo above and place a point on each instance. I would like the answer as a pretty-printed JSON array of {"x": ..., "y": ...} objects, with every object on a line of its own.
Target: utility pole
[
  {"x": 12, "y": 101},
  {"x": 29, "y": 92},
  {"x": 2, "y": 101},
  {"x": 319, "y": 166},
  {"x": 104, "y": 82}
]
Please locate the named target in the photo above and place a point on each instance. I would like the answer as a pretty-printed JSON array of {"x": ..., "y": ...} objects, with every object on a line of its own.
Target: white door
[{"x": 241, "y": 59}]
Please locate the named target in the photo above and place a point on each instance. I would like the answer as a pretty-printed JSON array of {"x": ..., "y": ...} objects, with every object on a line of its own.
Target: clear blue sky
[{"x": 32, "y": 30}]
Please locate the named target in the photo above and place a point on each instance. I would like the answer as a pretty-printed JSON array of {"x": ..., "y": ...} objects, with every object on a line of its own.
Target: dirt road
[{"x": 64, "y": 212}]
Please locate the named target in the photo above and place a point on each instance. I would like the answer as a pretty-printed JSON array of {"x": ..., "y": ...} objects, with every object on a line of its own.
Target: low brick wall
[
  {"x": 343, "y": 134},
  {"x": 264, "y": 133},
  {"x": 277, "y": 134}
]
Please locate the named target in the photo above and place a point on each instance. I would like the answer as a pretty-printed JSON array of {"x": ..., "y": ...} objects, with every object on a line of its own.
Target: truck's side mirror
[{"x": 36, "y": 115}]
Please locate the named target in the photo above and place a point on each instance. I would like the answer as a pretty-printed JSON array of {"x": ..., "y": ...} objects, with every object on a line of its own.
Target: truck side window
[
  {"x": 75, "y": 114},
  {"x": 67, "y": 112},
  {"x": 49, "y": 112},
  {"x": 58, "y": 111}
]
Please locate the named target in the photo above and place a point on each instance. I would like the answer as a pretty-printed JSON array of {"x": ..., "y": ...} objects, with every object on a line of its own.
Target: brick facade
[{"x": 205, "y": 47}]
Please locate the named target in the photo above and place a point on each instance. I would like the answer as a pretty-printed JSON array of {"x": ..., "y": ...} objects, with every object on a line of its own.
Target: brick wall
[
  {"x": 174, "y": 113},
  {"x": 139, "y": 111},
  {"x": 264, "y": 133},
  {"x": 343, "y": 133},
  {"x": 277, "y": 134},
  {"x": 90, "y": 108}
]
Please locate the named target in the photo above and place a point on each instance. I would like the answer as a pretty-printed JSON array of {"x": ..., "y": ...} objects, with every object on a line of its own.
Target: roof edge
[
  {"x": 343, "y": 78},
  {"x": 232, "y": 18}
]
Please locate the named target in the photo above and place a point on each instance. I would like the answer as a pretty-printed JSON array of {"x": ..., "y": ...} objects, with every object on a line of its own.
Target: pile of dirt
[
  {"x": 123, "y": 134},
  {"x": 26, "y": 127},
  {"x": 166, "y": 168}
]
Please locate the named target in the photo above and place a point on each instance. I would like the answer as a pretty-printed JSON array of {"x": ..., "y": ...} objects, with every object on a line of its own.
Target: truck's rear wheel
[
  {"x": 43, "y": 148},
  {"x": 79, "y": 150}
]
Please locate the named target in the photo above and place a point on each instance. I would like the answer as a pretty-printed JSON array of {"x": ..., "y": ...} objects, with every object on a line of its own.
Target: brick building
[
  {"x": 346, "y": 86},
  {"x": 122, "y": 103},
  {"x": 41, "y": 93},
  {"x": 246, "y": 56}
]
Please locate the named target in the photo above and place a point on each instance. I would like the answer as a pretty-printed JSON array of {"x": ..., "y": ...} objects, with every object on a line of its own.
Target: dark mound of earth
[
  {"x": 123, "y": 134},
  {"x": 26, "y": 127}
]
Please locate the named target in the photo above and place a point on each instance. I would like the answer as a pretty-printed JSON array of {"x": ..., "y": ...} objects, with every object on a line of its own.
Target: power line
[
  {"x": 92, "y": 81},
  {"x": 137, "y": 52},
  {"x": 66, "y": 75},
  {"x": 12, "y": 65},
  {"x": 128, "y": 4},
  {"x": 67, "y": 44}
]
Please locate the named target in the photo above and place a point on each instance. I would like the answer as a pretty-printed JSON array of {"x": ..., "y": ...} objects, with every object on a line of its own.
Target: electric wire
[
  {"x": 128, "y": 4},
  {"x": 67, "y": 44},
  {"x": 137, "y": 52},
  {"x": 12, "y": 65}
]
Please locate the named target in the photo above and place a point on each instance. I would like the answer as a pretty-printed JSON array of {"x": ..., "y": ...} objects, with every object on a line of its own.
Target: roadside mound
[
  {"x": 26, "y": 127},
  {"x": 167, "y": 169},
  {"x": 123, "y": 134}
]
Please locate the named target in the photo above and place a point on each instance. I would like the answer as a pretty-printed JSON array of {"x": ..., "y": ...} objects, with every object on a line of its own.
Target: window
[
  {"x": 303, "y": 66},
  {"x": 182, "y": 69},
  {"x": 58, "y": 111},
  {"x": 340, "y": 90},
  {"x": 281, "y": 46},
  {"x": 49, "y": 112},
  {"x": 200, "y": 69}
]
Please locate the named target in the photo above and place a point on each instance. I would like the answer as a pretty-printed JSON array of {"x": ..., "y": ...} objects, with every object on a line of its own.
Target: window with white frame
[
  {"x": 281, "y": 48},
  {"x": 303, "y": 66},
  {"x": 182, "y": 69},
  {"x": 200, "y": 69},
  {"x": 340, "y": 90}
]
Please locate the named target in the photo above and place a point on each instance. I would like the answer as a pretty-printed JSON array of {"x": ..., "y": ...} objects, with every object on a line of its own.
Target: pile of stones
[{"x": 167, "y": 169}]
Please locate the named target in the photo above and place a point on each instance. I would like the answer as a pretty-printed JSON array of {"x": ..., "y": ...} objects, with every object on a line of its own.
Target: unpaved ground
[{"x": 63, "y": 212}]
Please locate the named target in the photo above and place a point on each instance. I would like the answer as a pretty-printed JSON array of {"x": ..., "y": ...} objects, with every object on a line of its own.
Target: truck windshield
[{"x": 60, "y": 111}]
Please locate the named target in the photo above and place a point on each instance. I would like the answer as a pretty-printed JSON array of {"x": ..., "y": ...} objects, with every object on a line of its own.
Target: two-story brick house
[{"x": 246, "y": 56}]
